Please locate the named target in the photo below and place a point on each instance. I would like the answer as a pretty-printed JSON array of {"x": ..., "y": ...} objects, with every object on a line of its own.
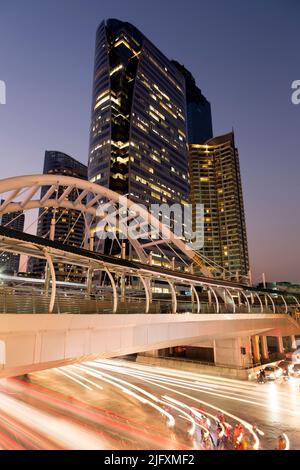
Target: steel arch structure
[
  {"x": 87, "y": 202},
  {"x": 24, "y": 193}
]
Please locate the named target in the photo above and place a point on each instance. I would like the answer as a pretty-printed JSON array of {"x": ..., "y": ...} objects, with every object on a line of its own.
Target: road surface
[{"x": 117, "y": 404}]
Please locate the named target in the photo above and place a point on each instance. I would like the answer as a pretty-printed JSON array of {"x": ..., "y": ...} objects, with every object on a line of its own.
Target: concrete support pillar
[
  {"x": 152, "y": 353},
  {"x": 264, "y": 347},
  {"x": 235, "y": 352},
  {"x": 255, "y": 349},
  {"x": 293, "y": 342},
  {"x": 280, "y": 344}
]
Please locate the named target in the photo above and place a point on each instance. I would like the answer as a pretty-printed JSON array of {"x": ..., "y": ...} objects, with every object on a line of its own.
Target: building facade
[
  {"x": 199, "y": 119},
  {"x": 69, "y": 224},
  {"x": 9, "y": 263},
  {"x": 216, "y": 183},
  {"x": 138, "y": 135}
]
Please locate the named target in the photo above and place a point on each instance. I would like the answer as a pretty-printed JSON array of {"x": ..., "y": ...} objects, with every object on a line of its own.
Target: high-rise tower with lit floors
[
  {"x": 216, "y": 183},
  {"x": 69, "y": 225},
  {"x": 138, "y": 136}
]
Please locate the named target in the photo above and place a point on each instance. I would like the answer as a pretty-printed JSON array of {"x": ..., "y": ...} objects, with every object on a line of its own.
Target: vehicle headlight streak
[
  {"x": 126, "y": 386},
  {"x": 203, "y": 387},
  {"x": 70, "y": 373},
  {"x": 287, "y": 447},
  {"x": 67, "y": 435},
  {"x": 158, "y": 382}
]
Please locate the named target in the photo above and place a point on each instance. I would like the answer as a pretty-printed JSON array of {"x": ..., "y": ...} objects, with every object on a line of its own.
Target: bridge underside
[{"x": 35, "y": 342}]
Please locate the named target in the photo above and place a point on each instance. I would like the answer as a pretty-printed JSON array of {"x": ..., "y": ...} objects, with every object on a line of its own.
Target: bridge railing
[{"x": 27, "y": 299}]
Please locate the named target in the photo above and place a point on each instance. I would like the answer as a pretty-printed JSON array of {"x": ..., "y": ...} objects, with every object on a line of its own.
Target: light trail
[
  {"x": 126, "y": 387},
  {"x": 170, "y": 380},
  {"x": 158, "y": 382},
  {"x": 287, "y": 447},
  {"x": 35, "y": 417},
  {"x": 94, "y": 384},
  {"x": 60, "y": 371},
  {"x": 79, "y": 409},
  {"x": 62, "y": 432}
]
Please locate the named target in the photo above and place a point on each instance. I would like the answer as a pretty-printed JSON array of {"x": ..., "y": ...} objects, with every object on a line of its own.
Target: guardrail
[{"x": 33, "y": 299}]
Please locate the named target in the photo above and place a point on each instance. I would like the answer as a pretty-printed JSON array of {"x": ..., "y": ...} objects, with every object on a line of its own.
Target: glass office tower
[
  {"x": 138, "y": 139},
  {"x": 138, "y": 135},
  {"x": 69, "y": 227},
  {"x": 199, "y": 120},
  {"x": 216, "y": 183},
  {"x": 9, "y": 263}
]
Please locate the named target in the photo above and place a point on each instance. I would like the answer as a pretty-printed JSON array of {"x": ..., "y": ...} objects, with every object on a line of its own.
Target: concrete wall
[{"x": 198, "y": 368}]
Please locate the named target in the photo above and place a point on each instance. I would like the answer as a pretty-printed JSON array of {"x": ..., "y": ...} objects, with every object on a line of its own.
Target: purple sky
[{"x": 244, "y": 56}]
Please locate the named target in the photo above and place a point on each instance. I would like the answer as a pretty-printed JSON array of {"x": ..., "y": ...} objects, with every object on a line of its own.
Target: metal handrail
[{"x": 34, "y": 299}]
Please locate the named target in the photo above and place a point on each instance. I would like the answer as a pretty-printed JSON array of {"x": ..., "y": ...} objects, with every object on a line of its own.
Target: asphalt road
[{"x": 117, "y": 404}]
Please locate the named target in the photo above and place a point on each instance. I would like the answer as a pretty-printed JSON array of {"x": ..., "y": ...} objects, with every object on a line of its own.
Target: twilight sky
[{"x": 244, "y": 56}]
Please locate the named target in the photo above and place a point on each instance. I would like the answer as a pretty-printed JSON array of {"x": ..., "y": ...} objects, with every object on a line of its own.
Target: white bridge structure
[{"x": 121, "y": 305}]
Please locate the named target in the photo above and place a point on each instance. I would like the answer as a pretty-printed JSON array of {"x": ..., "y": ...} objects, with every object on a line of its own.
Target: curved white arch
[
  {"x": 247, "y": 301},
  {"x": 114, "y": 288},
  {"x": 14, "y": 185},
  {"x": 147, "y": 293},
  {"x": 197, "y": 298},
  {"x": 272, "y": 302},
  {"x": 285, "y": 304},
  {"x": 295, "y": 298},
  {"x": 53, "y": 277},
  {"x": 231, "y": 296},
  {"x": 174, "y": 296},
  {"x": 216, "y": 298},
  {"x": 260, "y": 301}
]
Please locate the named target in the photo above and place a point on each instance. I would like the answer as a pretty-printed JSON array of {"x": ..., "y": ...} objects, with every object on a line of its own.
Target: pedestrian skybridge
[
  {"x": 119, "y": 305},
  {"x": 123, "y": 286}
]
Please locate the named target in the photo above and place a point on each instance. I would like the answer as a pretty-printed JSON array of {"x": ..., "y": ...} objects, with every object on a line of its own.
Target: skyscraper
[
  {"x": 9, "y": 263},
  {"x": 70, "y": 225},
  {"x": 199, "y": 120},
  {"x": 216, "y": 183},
  {"x": 138, "y": 140}
]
